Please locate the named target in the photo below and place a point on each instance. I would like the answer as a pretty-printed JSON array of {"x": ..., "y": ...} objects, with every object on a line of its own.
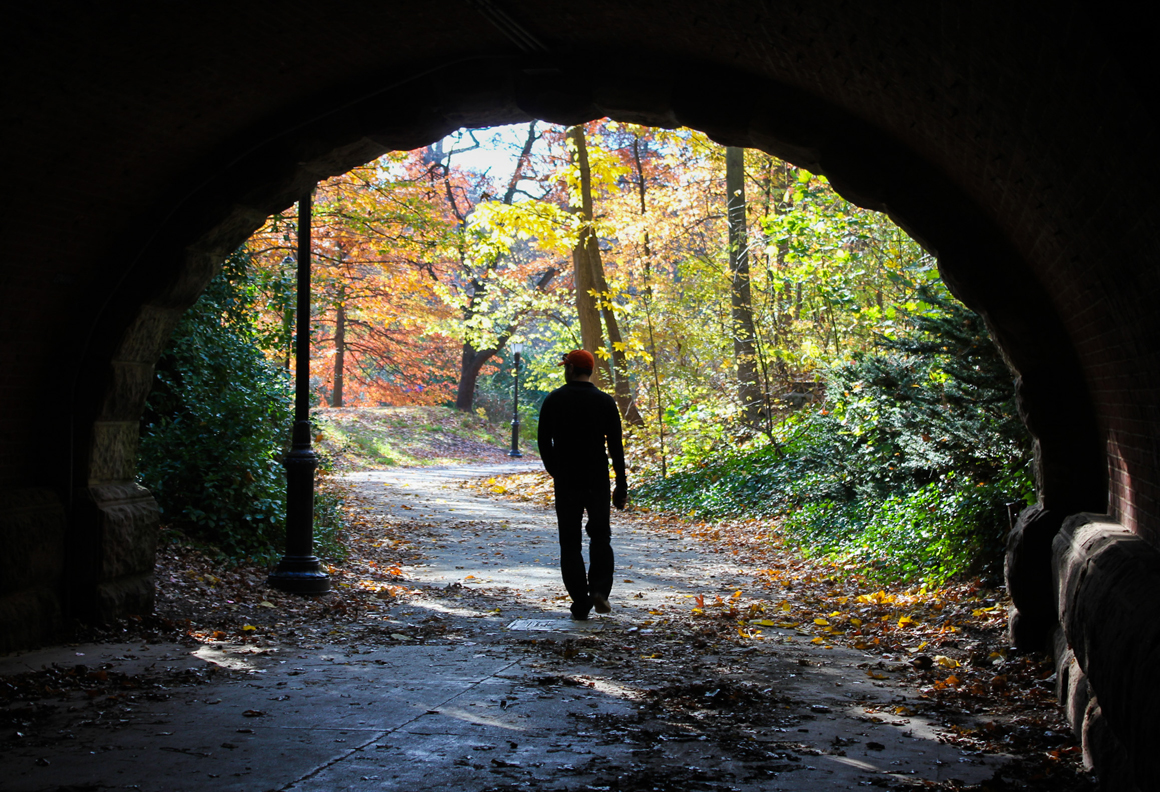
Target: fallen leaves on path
[
  {"x": 949, "y": 643},
  {"x": 701, "y": 665}
]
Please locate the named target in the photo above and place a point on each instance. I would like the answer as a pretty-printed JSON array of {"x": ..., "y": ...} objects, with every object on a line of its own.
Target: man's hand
[{"x": 620, "y": 495}]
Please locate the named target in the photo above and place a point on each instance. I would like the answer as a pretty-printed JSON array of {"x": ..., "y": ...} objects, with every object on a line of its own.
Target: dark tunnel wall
[{"x": 141, "y": 145}]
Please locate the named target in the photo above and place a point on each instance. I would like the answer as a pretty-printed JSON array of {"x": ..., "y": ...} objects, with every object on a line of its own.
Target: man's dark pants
[{"x": 573, "y": 498}]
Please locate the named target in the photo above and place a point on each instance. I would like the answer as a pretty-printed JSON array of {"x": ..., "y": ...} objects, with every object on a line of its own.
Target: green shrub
[
  {"x": 907, "y": 470},
  {"x": 217, "y": 424}
]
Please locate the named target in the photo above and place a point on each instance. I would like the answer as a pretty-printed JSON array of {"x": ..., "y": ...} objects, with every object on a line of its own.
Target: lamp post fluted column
[
  {"x": 515, "y": 452},
  {"x": 300, "y": 571}
]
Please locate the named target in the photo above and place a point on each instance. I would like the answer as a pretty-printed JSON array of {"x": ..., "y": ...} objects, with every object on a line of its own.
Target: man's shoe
[
  {"x": 578, "y": 614},
  {"x": 601, "y": 603}
]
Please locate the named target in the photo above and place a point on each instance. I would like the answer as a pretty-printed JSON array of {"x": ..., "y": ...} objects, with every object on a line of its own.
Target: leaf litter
[
  {"x": 947, "y": 643},
  {"x": 698, "y": 664}
]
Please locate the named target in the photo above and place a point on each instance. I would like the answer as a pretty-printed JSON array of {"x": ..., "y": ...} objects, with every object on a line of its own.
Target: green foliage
[
  {"x": 907, "y": 470},
  {"x": 216, "y": 425},
  {"x": 494, "y": 390}
]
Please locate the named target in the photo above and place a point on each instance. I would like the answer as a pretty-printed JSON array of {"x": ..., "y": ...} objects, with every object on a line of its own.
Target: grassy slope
[{"x": 368, "y": 438}]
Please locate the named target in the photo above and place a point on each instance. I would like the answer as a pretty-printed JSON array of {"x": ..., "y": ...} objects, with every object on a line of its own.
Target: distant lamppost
[
  {"x": 300, "y": 571},
  {"x": 515, "y": 452}
]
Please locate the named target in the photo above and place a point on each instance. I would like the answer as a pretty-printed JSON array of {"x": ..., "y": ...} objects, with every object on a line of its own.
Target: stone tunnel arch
[
  {"x": 976, "y": 259},
  {"x": 964, "y": 137}
]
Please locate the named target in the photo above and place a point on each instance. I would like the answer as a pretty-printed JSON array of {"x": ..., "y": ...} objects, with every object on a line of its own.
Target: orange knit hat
[{"x": 580, "y": 360}]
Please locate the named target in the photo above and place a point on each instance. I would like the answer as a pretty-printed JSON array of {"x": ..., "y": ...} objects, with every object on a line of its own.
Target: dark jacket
[{"x": 576, "y": 422}]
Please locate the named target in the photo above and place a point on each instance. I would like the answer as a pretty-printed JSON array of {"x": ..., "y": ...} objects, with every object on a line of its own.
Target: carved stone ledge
[
  {"x": 1027, "y": 568},
  {"x": 1106, "y": 580},
  {"x": 113, "y": 550}
]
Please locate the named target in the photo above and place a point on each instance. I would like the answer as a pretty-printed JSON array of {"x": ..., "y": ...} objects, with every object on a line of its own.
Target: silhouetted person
[{"x": 577, "y": 421}]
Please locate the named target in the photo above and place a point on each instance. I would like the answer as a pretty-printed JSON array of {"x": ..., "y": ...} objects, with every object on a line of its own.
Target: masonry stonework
[{"x": 1020, "y": 147}]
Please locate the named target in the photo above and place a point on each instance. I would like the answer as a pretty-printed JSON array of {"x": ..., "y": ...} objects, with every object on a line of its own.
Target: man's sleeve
[
  {"x": 544, "y": 435},
  {"x": 615, "y": 442}
]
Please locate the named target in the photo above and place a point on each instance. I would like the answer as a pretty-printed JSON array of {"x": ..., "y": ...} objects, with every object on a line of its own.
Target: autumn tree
[
  {"x": 498, "y": 277},
  {"x": 594, "y": 298},
  {"x": 743, "y": 332},
  {"x": 377, "y": 245}
]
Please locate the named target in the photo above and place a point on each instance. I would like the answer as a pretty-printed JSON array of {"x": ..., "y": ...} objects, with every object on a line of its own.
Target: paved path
[{"x": 613, "y": 703}]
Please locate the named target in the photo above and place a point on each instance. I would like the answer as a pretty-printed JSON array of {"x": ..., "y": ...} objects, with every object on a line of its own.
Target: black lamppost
[
  {"x": 300, "y": 571},
  {"x": 515, "y": 452}
]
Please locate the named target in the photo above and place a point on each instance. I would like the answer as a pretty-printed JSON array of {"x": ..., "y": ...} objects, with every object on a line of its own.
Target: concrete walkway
[{"x": 482, "y": 683}]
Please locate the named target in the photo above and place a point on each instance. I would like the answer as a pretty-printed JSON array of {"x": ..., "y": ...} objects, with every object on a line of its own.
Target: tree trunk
[
  {"x": 587, "y": 309},
  {"x": 742, "y": 328},
  {"x": 594, "y": 280},
  {"x": 640, "y": 182},
  {"x": 339, "y": 348},
  {"x": 470, "y": 362}
]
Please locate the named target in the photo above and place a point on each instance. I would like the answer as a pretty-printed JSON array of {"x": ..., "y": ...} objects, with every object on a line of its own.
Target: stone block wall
[
  {"x": 112, "y": 552},
  {"x": 32, "y": 533},
  {"x": 1106, "y": 644}
]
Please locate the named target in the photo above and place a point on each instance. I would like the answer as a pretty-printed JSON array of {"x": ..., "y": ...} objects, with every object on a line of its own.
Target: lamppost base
[
  {"x": 300, "y": 575},
  {"x": 514, "y": 454}
]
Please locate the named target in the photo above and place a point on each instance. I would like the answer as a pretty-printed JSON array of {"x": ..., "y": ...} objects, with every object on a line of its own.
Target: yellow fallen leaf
[
  {"x": 821, "y": 622},
  {"x": 876, "y": 674},
  {"x": 249, "y": 628},
  {"x": 817, "y": 640},
  {"x": 764, "y": 622},
  {"x": 946, "y": 662},
  {"x": 856, "y": 622},
  {"x": 905, "y": 620},
  {"x": 265, "y": 604}
]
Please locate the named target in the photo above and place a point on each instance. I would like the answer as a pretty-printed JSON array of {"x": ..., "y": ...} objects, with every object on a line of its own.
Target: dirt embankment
[{"x": 377, "y": 437}]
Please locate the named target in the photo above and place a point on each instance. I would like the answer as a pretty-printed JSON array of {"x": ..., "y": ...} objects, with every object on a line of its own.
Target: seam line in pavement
[{"x": 386, "y": 733}]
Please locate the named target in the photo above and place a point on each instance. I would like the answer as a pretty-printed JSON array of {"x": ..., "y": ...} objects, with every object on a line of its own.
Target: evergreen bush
[
  {"x": 217, "y": 424},
  {"x": 908, "y": 468}
]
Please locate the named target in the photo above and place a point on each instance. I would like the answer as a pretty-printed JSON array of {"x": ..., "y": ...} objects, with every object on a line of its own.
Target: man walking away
[{"x": 577, "y": 422}]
